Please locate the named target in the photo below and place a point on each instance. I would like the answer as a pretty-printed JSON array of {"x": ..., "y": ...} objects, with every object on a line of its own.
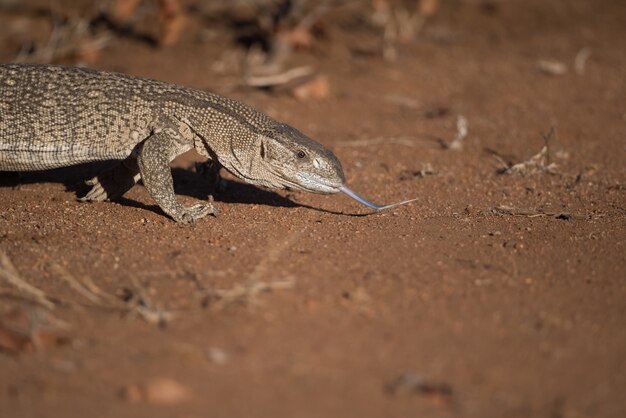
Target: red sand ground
[{"x": 505, "y": 315}]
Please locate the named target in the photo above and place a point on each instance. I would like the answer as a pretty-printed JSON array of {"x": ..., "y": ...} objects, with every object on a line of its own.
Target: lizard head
[{"x": 293, "y": 160}]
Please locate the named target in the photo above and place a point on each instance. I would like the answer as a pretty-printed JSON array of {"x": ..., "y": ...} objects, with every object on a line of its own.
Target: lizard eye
[
  {"x": 301, "y": 154},
  {"x": 262, "y": 149}
]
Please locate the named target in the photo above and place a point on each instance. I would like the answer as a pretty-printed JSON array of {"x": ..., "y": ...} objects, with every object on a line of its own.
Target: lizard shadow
[
  {"x": 186, "y": 183},
  {"x": 189, "y": 183}
]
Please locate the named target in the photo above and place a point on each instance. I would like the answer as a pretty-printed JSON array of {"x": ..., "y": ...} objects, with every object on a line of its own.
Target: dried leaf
[
  {"x": 158, "y": 391},
  {"x": 122, "y": 10},
  {"x": 428, "y": 8},
  {"x": 298, "y": 37},
  {"x": 409, "y": 383},
  {"x": 163, "y": 391},
  {"x": 552, "y": 67},
  {"x": 318, "y": 88}
]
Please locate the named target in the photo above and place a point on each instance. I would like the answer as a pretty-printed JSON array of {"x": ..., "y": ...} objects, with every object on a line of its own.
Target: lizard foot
[
  {"x": 110, "y": 184},
  {"x": 210, "y": 171},
  {"x": 192, "y": 213},
  {"x": 97, "y": 192}
]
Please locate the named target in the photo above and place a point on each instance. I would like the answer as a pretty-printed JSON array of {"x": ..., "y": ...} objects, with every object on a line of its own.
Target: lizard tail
[{"x": 369, "y": 204}]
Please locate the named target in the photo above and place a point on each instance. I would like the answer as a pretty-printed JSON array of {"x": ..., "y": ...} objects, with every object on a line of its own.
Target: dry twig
[
  {"x": 10, "y": 274},
  {"x": 510, "y": 210},
  {"x": 427, "y": 170},
  {"x": 69, "y": 40},
  {"x": 538, "y": 163},
  {"x": 292, "y": 75}
]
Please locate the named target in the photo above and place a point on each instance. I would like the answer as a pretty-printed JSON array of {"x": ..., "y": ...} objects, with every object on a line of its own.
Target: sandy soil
[{"x": 492, "y": 295}]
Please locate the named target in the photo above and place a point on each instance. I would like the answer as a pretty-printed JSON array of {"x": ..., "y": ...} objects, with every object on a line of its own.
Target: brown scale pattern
[{"x": 48, "y": 111}]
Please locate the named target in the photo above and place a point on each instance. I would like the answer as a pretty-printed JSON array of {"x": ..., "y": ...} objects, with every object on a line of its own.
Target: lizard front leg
[{"x": 154, "y": 157}]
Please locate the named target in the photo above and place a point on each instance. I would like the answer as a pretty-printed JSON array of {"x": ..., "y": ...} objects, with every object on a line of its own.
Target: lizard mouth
[{"x": 313, "y": 183}]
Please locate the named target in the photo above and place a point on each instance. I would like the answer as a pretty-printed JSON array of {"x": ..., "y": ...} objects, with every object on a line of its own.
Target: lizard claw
[
  {"x": 191, "y": 214},
  {"x": 97, "y": 192}
]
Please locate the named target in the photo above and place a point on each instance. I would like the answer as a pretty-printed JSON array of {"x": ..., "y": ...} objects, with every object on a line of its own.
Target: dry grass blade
[
  {"x": 139, "y": 303},
  {"x": 247, "y": 294},
  {"x": 10, "y": 274},
  {"x": 79, "y": 287},
  {"x": 580, "y": 61},
  {"x": 409, "y": 141},
  {"x": 243, "y": 294}
]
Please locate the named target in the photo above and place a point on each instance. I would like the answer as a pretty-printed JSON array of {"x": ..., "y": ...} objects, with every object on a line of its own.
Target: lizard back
[{"x": 53, "y": 116}]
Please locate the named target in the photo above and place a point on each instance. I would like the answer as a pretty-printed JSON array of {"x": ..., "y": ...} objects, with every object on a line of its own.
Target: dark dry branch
[
  {"x": 70, "y": 40},
  {"x": 510, "y": 210}
]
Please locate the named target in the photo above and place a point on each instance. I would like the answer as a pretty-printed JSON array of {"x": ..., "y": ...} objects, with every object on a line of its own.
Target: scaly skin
[{"x": 53, "y": 116}]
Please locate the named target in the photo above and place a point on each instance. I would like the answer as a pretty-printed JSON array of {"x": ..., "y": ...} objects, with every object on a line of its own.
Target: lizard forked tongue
[{"x": 369, "y": 204}]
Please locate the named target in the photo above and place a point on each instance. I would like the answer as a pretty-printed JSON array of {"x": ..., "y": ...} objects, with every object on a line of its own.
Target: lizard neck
[{"x": 228, "y": 131}]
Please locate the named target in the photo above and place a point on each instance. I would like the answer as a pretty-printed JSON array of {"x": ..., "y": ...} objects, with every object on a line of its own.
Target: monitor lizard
[{"x": 54, "y": 116}]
